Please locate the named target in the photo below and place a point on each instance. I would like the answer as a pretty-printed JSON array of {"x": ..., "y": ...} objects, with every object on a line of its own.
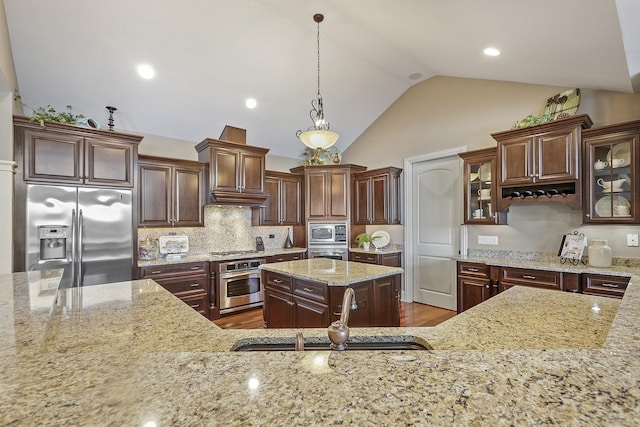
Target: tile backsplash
[{"x": 226, "y": 228}]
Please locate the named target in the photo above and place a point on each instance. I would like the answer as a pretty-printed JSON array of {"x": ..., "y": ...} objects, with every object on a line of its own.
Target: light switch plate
[
  {"x": 487, "y": 240},
  {"x": 632, "y": 240}
]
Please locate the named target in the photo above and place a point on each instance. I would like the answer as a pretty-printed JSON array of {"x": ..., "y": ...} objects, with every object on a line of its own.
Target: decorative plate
[
  {"x": 173, "y": 244},
  {"x": 564, "y": 104},
  {"x": 381, "y": 241},
  {"x": 620, "y": 151},
  {"x": 485, "y": 172},
  {"x": 603, "y": 206}
]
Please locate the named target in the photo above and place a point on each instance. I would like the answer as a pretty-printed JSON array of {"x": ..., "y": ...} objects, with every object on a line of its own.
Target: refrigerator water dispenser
[{"x": 53, "y": 241}]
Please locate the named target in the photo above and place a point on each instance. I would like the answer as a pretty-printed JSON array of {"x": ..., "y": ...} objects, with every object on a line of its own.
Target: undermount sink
[{"x": 318, "y": 344}]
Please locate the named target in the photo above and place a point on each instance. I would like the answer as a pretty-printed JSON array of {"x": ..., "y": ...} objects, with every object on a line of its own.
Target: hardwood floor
[{"x": 411, "y": 314}]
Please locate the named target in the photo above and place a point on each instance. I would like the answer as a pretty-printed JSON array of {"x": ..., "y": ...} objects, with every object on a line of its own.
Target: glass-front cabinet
[
  {"x": 611, "y": 185},
  {"x": 480, "y": 187}
]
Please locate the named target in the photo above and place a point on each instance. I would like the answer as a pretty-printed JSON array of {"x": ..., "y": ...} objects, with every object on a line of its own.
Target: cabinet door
[
  {"x": 310, "y": 314},
  {"x": 190, "y": 194},
  {"x": 154, "y": 194},
  {"x": 386, "y": 301},
  {"x": 361, "y": 205},
  {"x": 108, "y": 163},
  {"x": 556, "y": 156},
  {"x": 252, "y": 173},
  {"x": 516, "y": 160},
  {"x": 471, "y": 292},
  {"x": 225, "y": 168},
  {"x": 291, "y": 201},
  {"x": 53, "y": 157},
  {"x": 278, "y": 309},
  {"x": 338, "y": 195},
  {"x": 380, "y": 200},
  {"x": 270, "y": 211},
  {"x": 317, "y": 195},
  {"x": 611, "y": 186}
]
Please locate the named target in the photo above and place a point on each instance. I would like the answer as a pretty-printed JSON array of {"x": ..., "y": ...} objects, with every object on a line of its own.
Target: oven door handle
[{"x": 240, "y": 274}]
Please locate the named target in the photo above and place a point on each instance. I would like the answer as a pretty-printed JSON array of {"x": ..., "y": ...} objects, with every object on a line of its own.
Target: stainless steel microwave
[{"x": 327, "y": 233}]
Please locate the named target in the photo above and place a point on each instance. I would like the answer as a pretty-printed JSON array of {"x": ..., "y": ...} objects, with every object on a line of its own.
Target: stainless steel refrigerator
[{"x": 86, "y": 231}]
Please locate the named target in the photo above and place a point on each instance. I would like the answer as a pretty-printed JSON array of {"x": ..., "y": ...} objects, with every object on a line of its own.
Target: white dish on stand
[{"x": 381, "y": 241}]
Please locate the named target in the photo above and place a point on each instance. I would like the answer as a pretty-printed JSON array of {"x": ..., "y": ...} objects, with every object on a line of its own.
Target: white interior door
[{"x": 436, "y": 215}]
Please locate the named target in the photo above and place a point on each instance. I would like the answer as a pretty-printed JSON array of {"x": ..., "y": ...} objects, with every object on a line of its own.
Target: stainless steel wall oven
[{"x": 240, "y": 286}]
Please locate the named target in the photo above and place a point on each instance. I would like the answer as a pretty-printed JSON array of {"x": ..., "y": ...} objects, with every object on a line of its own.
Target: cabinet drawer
[
  {"x": 198, "y": 303},
  {"x": 473, "y": 269},
  {"x": 366, "y": 258},
  {"x": 537, "y": 278},
  {"x": 277, "y": 281},
  {"x": 310, "y": 290},
  {"x": 151, "y": 272},
  {"x": 597, "y": 284},
  {"x": 286, "y": 257},
  {"x": 185, "y": 285}
]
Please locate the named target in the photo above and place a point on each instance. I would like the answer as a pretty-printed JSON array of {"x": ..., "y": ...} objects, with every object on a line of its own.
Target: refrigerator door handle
[
  {"x": 74, "y": 249},
  {"x": 80, "y": 248}
]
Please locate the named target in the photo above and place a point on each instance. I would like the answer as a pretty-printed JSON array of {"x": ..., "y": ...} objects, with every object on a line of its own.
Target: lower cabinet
[
  {"x": 295, "y": 303},
  {"x": 604, "y": 285},
  {"x": 388, "y": 259},
  {"x": 287, "y": 257},
  {"x": 477, "y": 282},
  {"x": 188, "y": 281}
]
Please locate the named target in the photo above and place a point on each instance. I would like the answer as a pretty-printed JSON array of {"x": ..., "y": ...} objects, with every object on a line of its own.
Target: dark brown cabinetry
[
  {"x": 480, "y": 188},
  {"x": 475, "y": 284},
  {"x": 327, "y": 191},
  {"x": 284, "y": 203},
  {"x": 376, "y": 196},
  {"x": 388, "y": 259},
  {"x": 68, "y": 154},
  {"x": 604, "y": 285},
  {"x": 237, "y": 171},
  {"x": 291, "y": 302},
  {"x": 287, "y": 257},
  {"x": 557, "y": 280},
  {"x": 539, "y": 155},
  {"x": 611, "y": 189},
  {"x": 188, "y": 281},
  {"x": 171, "y": 192}
]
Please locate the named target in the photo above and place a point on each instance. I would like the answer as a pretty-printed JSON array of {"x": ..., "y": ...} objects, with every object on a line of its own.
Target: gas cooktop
[{"x": 233, "y": 253}]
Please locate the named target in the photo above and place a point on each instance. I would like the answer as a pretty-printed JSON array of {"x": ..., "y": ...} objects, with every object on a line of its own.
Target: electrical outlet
[
  {"x": 272, "y": 236},
  {"x": 632, "y": 240},
  {"x": 487, "y": 240}
]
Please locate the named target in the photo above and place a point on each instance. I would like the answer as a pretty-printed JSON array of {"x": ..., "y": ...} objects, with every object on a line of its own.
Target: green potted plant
[{"x": 364, "y": 240}]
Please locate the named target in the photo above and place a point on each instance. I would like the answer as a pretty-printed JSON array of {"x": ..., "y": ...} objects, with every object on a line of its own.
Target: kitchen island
[
  {"x": 309, "y": 293},
  {"x": 131, "y": 353}
]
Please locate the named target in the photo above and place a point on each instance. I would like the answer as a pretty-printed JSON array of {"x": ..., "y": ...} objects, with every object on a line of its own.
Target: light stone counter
[
  {"x": 130, "y": 353},
  {"x": 211, "y": 257},
  {"x": 331, "y": 272},
  {"x": 391, "y": 249}
]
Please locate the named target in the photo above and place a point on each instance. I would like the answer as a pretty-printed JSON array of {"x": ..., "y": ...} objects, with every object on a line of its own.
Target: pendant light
[{"x": 318, "y": 136}]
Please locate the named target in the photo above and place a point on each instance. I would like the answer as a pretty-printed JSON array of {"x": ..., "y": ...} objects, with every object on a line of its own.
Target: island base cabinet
[
  {"x": 310, "y": 314},
  {"x": 278, "y": 309},
  {"x": 378, "y": 303}
]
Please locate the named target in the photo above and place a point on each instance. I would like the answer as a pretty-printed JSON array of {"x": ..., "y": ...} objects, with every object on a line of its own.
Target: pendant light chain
[{"x": 318, "y": 44}]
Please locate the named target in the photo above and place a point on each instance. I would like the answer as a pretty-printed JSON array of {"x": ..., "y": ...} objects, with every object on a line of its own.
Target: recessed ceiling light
[
  {"x": 491, "y": 51},
  {"x": 415, "y": 76},
  {"x": 146, "y": 71},
  {"x": 251, "y": 103}
]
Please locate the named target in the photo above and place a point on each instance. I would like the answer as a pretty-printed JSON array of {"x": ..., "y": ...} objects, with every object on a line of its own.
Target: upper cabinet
[
  {"x": 376, "y": 197},
  {"x": 538, "y": 159},
  {"x": 327, "y": 191},
  {"x": 237, "y": 171},
  {"x": 611, "y": 164},
  {"x": 284, "y": 204},
  {"x": 480, "y": 186},
  {"x": 171, "y": 193},
  {"x": 62, "y": 153}
]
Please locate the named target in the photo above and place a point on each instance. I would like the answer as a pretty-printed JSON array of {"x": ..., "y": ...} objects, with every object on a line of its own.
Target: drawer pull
[
  {"x": 277, "y": 281},
  {"x": 610, "y": 285},
  {"x": 280, "y": 259},
  {"x": 156, "y": 272},
  {"x": 194, "y": 305},
  {"x": 195, "y": 285},
  {"x": 308, "y": 290},
  {"x": 472, "y": 269},
  {"x": 526, "y": 276},
  {"x": 195, "y": 268}
]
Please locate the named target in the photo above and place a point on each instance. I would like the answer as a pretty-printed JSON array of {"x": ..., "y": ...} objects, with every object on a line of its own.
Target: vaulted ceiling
[{"x": 211, "y": 55}]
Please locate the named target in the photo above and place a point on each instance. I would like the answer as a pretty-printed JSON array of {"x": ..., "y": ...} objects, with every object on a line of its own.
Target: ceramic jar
[{"x": 599, "y": 254}]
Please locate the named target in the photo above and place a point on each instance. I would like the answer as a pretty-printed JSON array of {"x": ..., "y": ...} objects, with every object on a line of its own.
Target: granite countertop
[
  {"x": 330, "y": 271},
  {"x": 390, "y": 249},
  {"x": 130, "y": 353},
  {"x": 194, "y": 257}
]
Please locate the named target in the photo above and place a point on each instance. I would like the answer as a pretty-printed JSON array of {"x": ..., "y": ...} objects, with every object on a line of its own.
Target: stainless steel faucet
[{"x": 339, "y": 331}]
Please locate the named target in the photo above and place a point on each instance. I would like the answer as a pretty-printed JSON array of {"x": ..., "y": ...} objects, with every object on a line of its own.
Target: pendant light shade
[{"x": 318, "y": 136}]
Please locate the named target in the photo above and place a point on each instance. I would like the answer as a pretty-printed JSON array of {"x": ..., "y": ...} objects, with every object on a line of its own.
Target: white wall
[{"x": 446, "y": 112}]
